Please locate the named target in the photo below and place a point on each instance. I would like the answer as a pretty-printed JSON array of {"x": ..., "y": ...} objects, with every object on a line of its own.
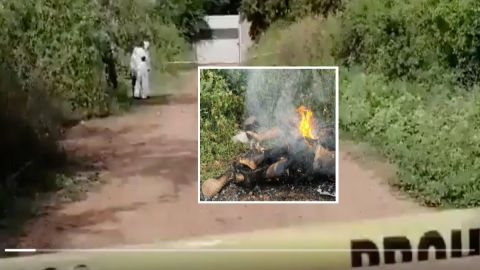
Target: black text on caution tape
[{"x": 365, "y": 248}]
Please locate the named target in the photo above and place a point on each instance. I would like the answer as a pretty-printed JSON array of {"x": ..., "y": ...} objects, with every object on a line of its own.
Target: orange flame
[{"x": 306, "y": 125}]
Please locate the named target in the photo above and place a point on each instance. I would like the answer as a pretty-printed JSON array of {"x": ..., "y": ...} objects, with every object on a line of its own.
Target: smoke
[
  {"x": 273, "y": 96},
  {"x": 270, "y": 97}
]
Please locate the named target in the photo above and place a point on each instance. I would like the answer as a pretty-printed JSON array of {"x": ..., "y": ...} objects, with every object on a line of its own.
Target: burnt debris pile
[{"x": 294, "y": 156}]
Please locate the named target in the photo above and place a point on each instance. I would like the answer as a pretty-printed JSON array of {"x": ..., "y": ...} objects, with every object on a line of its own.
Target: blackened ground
[
  {"x": 299, "y": 184},
  {"x": 287, "y": 189}
]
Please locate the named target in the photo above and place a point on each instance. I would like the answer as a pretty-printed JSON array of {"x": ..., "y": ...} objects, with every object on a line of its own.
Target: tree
[
  {"x": 222, "y": 7},
  {"x": 262, "y": 13}
]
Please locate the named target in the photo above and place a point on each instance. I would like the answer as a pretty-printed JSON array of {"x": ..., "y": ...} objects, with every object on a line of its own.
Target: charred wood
[
  {"x": 253, "y": 160},
  {"x": 278, "y": 168},
  {"x": 324, "y": 161},
  {"x": 246, "y": 177}
]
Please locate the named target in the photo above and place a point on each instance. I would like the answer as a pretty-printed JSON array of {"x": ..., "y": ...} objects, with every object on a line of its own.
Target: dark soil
[{"x": 279, "y": 190}]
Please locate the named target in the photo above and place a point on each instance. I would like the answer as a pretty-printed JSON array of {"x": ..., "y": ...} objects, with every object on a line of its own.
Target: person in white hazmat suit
[{"x": 140, "y": 68}]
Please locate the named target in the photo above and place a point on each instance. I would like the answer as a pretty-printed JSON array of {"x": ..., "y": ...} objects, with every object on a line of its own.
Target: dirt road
[{"x": 149, "y": 158}]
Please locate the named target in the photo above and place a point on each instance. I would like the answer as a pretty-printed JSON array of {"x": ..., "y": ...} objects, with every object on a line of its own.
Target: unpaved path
[{"x": 150, "y": 164}]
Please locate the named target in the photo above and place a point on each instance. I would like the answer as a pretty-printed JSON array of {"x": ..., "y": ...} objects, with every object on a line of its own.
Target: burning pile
[{"x": 298, "y": 153}]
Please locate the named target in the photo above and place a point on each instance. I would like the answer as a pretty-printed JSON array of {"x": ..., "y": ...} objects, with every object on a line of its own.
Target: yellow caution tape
[{"x": 436, "y": 236}]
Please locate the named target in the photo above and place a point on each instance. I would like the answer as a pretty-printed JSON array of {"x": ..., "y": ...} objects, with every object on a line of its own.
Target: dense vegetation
[
  {"x": 262, "y": 14},
  {"x": 62, "y": 61},
  {"x": 409, "y": 86},
  {"x": 222, "y": 107}
]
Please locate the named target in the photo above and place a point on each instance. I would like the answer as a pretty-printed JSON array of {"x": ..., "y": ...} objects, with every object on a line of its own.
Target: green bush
[
  {"x": 134, "y": 20},
  {"x": 265, "y": 50},
  {"x": 68, "y": 43},
  {"x": 30, "y": 125},
  {"x": 221, "y": 111},
  {"x": 57, "y": 39},
  {"x": 432, "y": 140},
  {"x": 262, "y": 14},
  {"x": 401, "y": 64},
  {"x": 412, "y": 39},
  {"x": 60, "y": 60},
  {"x": 310, "y": 41}
]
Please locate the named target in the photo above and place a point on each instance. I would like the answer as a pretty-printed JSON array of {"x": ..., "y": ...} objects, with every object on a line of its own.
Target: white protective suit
[
  {"x": 142, "y": 87},
  {"x": 140, "y": 67}
]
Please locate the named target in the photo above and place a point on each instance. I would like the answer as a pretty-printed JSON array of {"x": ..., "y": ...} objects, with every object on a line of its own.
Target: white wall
[
  {"x": 226, "y": 49},
  {"x": 223, "y": 51},
  {"x": 223, "y": 21},
  {"x": 219, "y": 50}
]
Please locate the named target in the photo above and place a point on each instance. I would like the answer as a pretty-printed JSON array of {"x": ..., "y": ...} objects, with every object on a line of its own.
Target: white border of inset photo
[{"x": 337, "y": 176}]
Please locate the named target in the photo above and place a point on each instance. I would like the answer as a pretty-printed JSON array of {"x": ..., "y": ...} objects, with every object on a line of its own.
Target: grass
[
  {"x": 264, "y": 52},
  {"x": 164, "y": 83},
  {"x": 220, "y": 112},
  {"x": 214, "y": 165}
]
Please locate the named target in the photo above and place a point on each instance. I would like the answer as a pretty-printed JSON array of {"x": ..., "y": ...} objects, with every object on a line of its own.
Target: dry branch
[{"x": 213, "y": 186}]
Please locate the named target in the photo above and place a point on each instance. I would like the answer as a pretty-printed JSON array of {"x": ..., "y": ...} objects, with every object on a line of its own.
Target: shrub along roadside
[
  {"x": 415, "y": 112},
  {"x": 414, "y": 39},
  {"x": 70, "y": 44},
  {"x": 421, "y": 136},
  {"x": 60, "y": 61}
]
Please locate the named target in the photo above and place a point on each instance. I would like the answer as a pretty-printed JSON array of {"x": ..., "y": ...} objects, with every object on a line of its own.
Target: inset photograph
[{"x": 268, "y": 134}]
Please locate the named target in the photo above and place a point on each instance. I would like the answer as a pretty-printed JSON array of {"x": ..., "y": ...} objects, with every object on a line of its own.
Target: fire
[{"x": 306, "y": 125}]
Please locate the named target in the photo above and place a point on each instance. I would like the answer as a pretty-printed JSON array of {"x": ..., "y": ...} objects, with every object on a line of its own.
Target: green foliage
[
  {"x": 426, "y": 126},
  {"x": 432, "y": 140},
  {"x": 402, "y": 62},
  {"x": 310, "y": 41},
  {"x": 70, "y": 42},
  {"x": 413, "y": 39},
  {"x": 265, "y": 50},
  {"x": 30, "y": 126},
  {"x": 135, "y": 21},
  {"x": 188, "y": 15},
  {"x": 299, "y": 44},
  {"x": 221, "y": 110},
  {"x": 59, "y": 61},
  {"x": 222, "y": 7},
  {"x": 264, "y": 13},
  {"x": 58, "y": 40}
]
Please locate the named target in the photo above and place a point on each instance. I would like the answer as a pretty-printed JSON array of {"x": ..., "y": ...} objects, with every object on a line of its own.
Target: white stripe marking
[{"x": 20, "y": 250}]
